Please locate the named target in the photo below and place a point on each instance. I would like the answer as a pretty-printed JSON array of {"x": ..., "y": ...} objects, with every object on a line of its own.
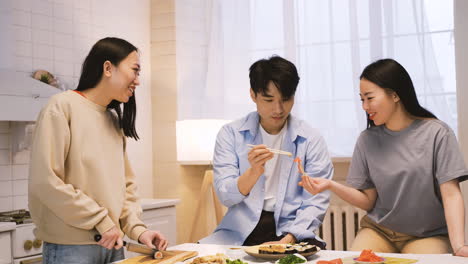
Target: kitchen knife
[{"x": 138, "y": 248}]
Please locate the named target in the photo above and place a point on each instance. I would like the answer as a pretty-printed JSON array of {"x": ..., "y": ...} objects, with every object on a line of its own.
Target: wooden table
[{"x": 323, "y": 255}]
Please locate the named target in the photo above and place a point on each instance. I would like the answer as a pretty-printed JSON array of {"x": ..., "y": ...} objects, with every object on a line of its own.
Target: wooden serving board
[{"x": 169, "y": 257}]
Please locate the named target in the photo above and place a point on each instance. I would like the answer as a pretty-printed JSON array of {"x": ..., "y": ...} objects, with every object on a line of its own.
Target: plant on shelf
[{"x": 45, "y": 78}]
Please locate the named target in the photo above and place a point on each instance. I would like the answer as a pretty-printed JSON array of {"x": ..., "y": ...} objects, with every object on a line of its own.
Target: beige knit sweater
[{"x": 80, "y": 179}]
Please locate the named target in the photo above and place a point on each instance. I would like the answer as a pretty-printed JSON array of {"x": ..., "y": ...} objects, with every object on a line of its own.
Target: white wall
[
  {"x": 131, "y": 20},
  {"x": 56, "y": 35},
  {"x": 461, "y": 60},
  {"x": 13, "y": 173}
]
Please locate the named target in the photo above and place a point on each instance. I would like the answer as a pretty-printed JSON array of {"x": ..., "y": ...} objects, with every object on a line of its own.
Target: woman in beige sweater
[{"x": 81, "y": 182}]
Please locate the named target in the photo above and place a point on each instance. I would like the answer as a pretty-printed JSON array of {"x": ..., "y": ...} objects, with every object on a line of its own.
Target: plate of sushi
[{"x": 277, "y": 251}]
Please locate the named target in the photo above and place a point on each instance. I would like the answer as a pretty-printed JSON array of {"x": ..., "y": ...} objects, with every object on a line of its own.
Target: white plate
[{"x": 367, "y": 262}]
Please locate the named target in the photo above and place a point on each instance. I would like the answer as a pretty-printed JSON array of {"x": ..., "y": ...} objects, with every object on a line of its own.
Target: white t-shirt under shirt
[{"x": 272, "y": 167}]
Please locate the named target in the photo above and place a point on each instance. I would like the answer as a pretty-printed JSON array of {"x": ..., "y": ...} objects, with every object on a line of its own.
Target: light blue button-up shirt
[{"x": 296, "y": 211}]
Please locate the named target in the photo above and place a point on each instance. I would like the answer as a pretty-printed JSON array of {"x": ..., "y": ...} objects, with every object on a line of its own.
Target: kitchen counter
[
  {"x": 7, "y": 226},
  {"x": 147, "y": 203}
]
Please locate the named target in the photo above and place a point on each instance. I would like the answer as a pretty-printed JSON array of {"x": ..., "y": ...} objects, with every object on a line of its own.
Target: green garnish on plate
[
  {"x": 291, "y": 259},
  {"x": 237, "y": 261}
]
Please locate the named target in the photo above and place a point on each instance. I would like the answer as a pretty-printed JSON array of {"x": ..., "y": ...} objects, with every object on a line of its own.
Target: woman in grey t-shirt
[{"x": 405, "y": 171}]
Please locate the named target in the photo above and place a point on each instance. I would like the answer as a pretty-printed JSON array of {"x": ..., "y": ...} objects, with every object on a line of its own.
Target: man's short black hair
[{"x": 280, "y": 71}]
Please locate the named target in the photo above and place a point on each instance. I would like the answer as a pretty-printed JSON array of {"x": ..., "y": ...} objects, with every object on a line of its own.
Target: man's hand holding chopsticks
[{"x": 257, "y": 158}]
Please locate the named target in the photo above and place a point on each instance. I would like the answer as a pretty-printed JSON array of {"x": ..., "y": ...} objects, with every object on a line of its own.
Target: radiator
[{"x": 340, "y": 226}]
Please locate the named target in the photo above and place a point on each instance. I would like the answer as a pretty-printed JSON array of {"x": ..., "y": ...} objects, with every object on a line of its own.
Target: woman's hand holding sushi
[
  {"x": 153, "y": 239},
  {"x": 315, "y": 185},
  {"x": 364, "y": 199}
]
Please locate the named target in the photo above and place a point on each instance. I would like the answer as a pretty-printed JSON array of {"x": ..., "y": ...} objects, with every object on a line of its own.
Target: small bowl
[{"x": 368, "y": 262}]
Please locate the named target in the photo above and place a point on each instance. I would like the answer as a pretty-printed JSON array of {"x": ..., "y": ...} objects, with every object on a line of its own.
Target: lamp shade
[{"x": 196, "y": 140}]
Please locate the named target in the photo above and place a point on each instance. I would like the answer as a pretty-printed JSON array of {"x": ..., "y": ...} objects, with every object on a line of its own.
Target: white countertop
[
  {"x": 204, "y": 250},
  {"x": 7, "y": 226},
  {"x": 147, "y": 203}
]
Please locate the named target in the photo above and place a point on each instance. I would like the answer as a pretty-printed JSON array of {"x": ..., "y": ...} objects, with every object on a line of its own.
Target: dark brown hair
[{"x": 114, "y": 50}]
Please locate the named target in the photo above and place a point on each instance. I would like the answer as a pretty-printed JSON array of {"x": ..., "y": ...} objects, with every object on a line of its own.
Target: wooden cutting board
[{"x": 169, "y": 257}]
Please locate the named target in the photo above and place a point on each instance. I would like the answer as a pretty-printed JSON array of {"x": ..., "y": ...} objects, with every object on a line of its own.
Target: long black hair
[
  {"x": 114, "y": 50},
  {"x": 391, "y": 76}
]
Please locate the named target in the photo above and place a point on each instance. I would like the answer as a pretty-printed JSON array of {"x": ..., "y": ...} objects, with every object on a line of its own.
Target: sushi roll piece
[
  {"x": 309, "y": 248},
  {"x": 265, "y": 250},
  {"x": 301, "y": 250},
  {"x": 278, "y": 249},
  {"x": 158, "y": 255},
  {"x": 296, "y": 247}
]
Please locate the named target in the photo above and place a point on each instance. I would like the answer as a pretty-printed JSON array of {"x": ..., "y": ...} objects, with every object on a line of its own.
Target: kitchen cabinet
[
  {"x": 5, "y": 242},
  {"x": 29, "y": 260},
  {"x": 160, "y": 215},
  {"x": 5, "y": 248}
]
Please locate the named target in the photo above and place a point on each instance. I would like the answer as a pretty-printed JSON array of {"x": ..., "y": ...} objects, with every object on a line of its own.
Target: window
[{"x": 330, "y": 42}]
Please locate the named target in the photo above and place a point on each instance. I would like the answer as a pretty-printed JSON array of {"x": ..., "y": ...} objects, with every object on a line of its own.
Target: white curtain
[{"x": 330, "y": 42}]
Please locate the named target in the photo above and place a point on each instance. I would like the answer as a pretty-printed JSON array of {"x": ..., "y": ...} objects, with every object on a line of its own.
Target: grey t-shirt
[{"x": 406, "y": 168}]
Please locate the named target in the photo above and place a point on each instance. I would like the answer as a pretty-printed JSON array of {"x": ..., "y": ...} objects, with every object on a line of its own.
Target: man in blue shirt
[{"x": 260, "y": 188}]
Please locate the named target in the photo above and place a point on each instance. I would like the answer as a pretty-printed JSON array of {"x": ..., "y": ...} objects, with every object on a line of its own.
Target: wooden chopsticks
[{"x": 276, "y": 151}]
